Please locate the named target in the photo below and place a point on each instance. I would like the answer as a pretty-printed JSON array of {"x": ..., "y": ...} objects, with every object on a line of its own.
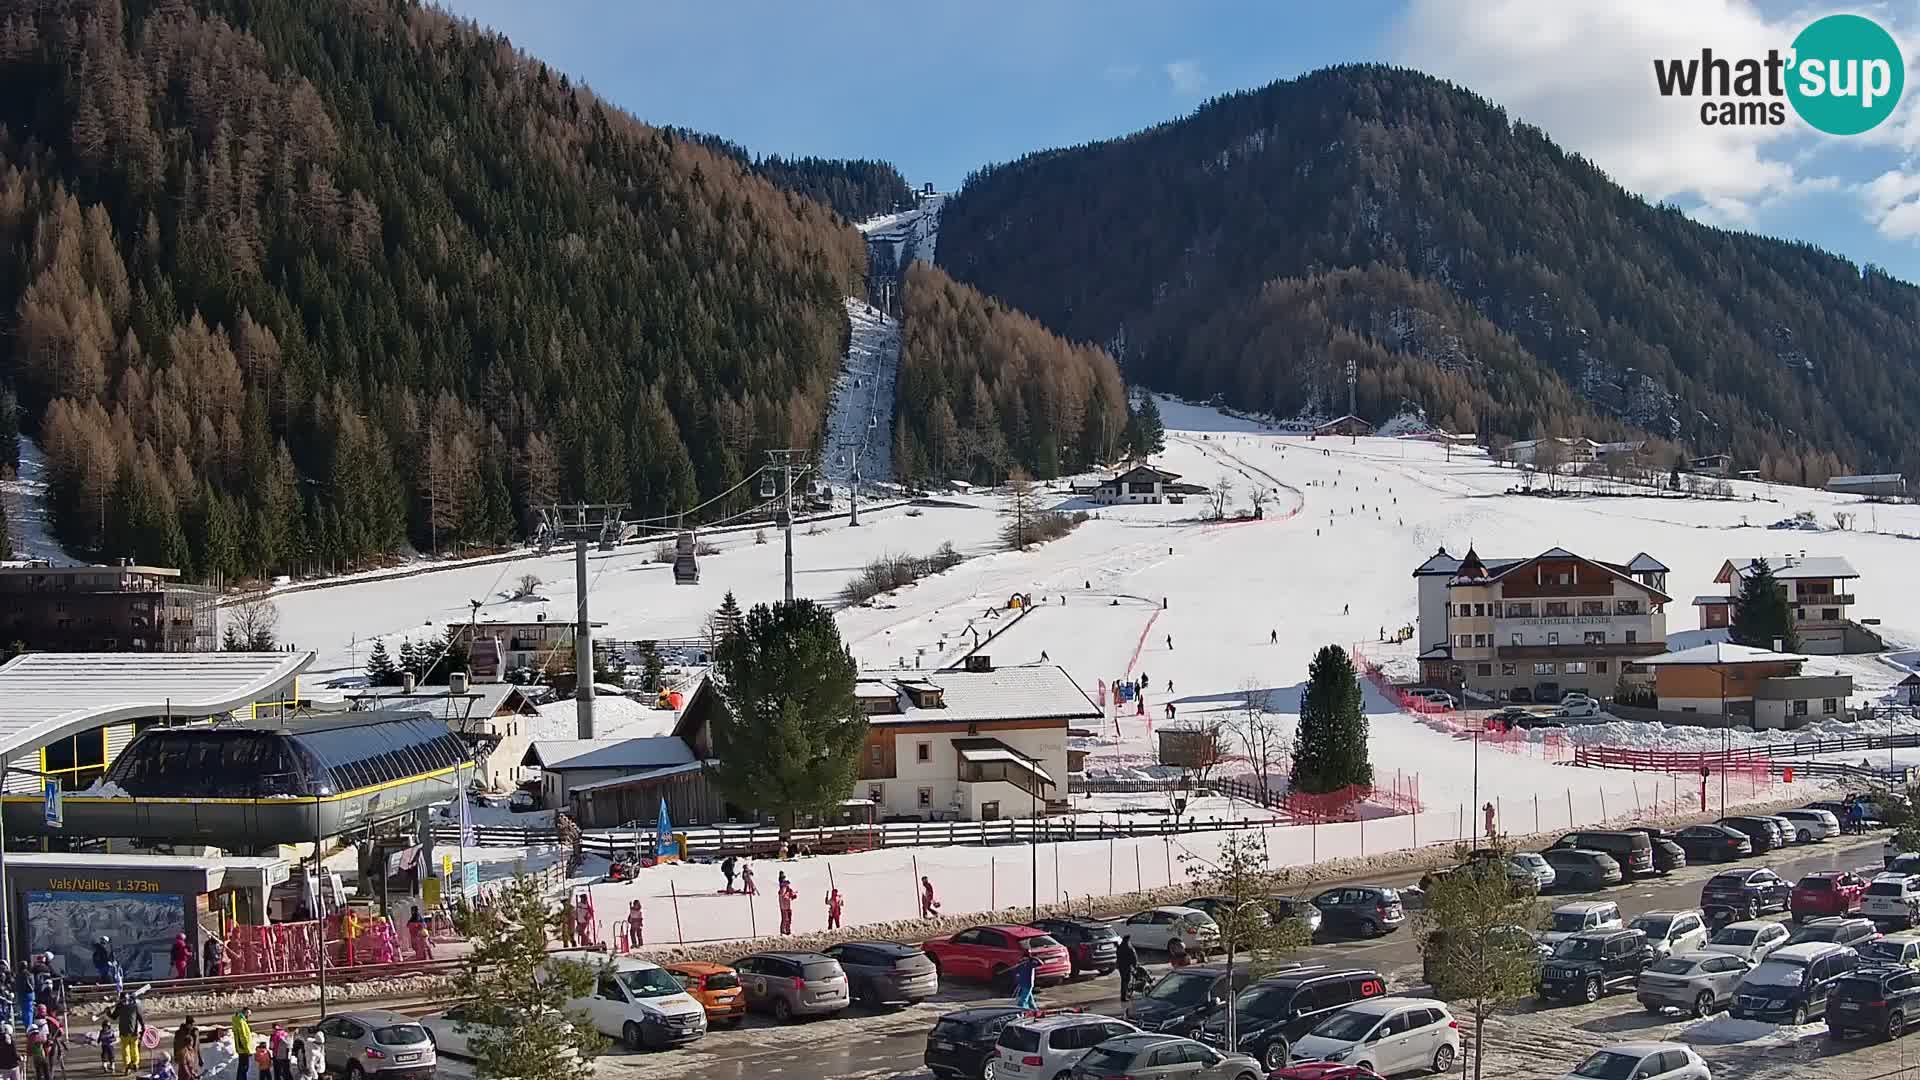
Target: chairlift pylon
[{"x": 686, "y": 565}]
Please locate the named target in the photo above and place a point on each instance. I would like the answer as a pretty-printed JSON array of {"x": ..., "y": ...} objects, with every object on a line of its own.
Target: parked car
[
  {"x": 1217, "y": 908},
  {"x": 1670, "y": 932},
  {"x": 1899, "y": 948},
  {"x": 1668, "y": 855},
  {"x": 522, "y": 801},
  {"x": 716, "y": 987},
  {"x": 1433, "y": 956},
  {"x": 1827, "y": 892},
  {"x": 452, "y": 1032},
  {"x": 1162, "y": 1057},
  {"x": 988, "y": 953},
  {"x": 1751, "y": 940},
  {"x": 1578, "y": 917},
  {"x": 1272, "y": 1014},
  {"x": 1875, "y": 999},
  {"x": 1713, "y": 843},
  {"x": 1751, "y": 892},
  {"x": 1524, "y": 869},
  {"x": 1439, "y": 699},
  {"x": 1155, "y": 928},
  {"x": 640, "y": 1003},
  {"x": 1578, "y": 705},
  {"x": 1789, "y": 830},
  {"x": 1701, "y": 983},
  {"x": 377, "y": 1042},
  {"x": 1294, "y": 907},
  {"x": 1361, "y": 910},
  {"x": 1764, "y": 832},
  {"x": 1324, "y": 1070},
  {"x": 1388, "y": 1035},
  {"x": 1183, "y": 998},
  {"x": 1642, "y": 1061},
  {"x": 1907, "y": 862},
  {"x": 1893, "y": 899},
  {"x": 965, "y": 1044},
  {"x": 1587, "y": 965},
  {"x": 1044, "y": 1047},
  {"x": 1632, "y": 850},
  {"x": 1840, "y": 931},
  {"x": 1540, "y": 868},
  {"x": 885, "y": 972},
  {"x": 1093, "y": 947},
  {"x": 1509, "y": 717},
  {"x": 1812, "y": 824},
  {"x": 791, "y": 985},
  {"x": 1577, "y": 869},
  {"x": 1791, "y": 984}
]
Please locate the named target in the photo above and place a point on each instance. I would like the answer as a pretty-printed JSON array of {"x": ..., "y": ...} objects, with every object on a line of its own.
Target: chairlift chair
[
  {"x": 769, "y": 486},
  {"x": 686, "y": 565}
]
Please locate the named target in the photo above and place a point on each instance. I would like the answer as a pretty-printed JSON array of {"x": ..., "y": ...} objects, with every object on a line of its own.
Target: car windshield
[
  {"x": 1265, "y": 1001},
  {"x": 1578, "y": 949},
  {"x": 651, "y": 982},
  {"x": 1569, "y": 922},
  {"x": 1674, "y": 965},
  {"x": 1529, "y": 860},
  {"x": 1346, "y": 1026},
  {"x": 1102, "y": 1061},
  {"x": 1181, "y": 988},
  {"x": 1608, "y": 1065},
  {"x": 1775, "y": 973},
  {"x": 1654, "y": 925},
  {"x": 1735, "y": 935},
  {"x": 1816, "y": 933}
]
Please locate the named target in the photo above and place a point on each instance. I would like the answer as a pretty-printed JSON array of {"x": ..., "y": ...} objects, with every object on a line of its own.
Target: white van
[{"x": 638, "y": 1002}]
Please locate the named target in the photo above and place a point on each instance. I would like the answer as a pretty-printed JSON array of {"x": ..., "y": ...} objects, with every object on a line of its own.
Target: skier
[
  {"x": 1488, "y": 811},
  {"x": 1169, "y": 710},
  {"x": 213, "y": 957},
  {"x": 182, "y": 953},
  {"x": 746, "y": 881},
  {"x": 786, "y": 895},
  {"x": 1273, "y": 637},
  {"x": 1169, "y": 642},
  {"x": 636, "y": 925},
  {"x": 1043, "y": 656},
  {"x": 726, "y": 868},
  {"x": 1143, "y": 681},
  {"x": 132, "y": 1024},
  {"x": 102, "y": 953},
  {"x": 834, "y": 904},
  {"x": 1023, "y": 977},
  {"x": 929, "y": 905},
  {"x": 418, "y": 936},
  {"x": 1346, "y": 609}
]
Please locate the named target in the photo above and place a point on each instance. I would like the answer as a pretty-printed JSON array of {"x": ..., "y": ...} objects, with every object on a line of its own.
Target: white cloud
[
  {"x": 1892, "y": 200},
  {"x": 1583, "y": 71},
  {"x": 1186, "y": 77}
]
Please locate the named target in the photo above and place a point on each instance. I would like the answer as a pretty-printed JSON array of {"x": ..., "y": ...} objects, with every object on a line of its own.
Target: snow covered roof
[
  {"x": 1710, "y": 600},
  {"x": 481, "y": 699},
  {"x": 1644, "y": 563},
  {"x": 46, "y": 696},
  {"x": 986, "y": 750},
  {"x": 1027, "y": 692},
  {"x": 1817, "y": 566},
  {"x": 1441, "y": 564},
  {"x": 655, "y": 751},
  {"x": 648, "y": 774},
  {"x": 1719, "y": 652},
  {"x": 613, "y": 717}
]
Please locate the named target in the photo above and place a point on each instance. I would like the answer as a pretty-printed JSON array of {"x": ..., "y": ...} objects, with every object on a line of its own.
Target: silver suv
[
  {"x": 377, "y": 1042},
  {"x": 1700, "y": 982},
  {"x": 1044, "y": 1047},
  {"x": 792, "y": 984}
]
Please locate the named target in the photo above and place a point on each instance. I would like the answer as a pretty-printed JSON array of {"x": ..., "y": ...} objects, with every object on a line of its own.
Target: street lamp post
[{"x": 1725, "y": 723}]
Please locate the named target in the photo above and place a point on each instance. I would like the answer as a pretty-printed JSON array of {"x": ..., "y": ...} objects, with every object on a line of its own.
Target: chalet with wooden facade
[
  {"x": 1758, "y": 686},
  {"x": 1819, "y": 595},
  {"x": 1141, "y": 483},
  {"x": 1528, "y": 629}
]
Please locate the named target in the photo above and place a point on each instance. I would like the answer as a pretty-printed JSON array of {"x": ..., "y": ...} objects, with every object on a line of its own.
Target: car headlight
[
  {"x": 1777, "y": 1003},
  {"x": 1339, "y": 1055}
]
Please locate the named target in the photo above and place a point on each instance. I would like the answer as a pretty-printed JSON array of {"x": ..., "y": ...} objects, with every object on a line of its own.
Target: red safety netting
[
  {"x": 1550, "y": 744},
  {"x": 1399, "y": 795}
]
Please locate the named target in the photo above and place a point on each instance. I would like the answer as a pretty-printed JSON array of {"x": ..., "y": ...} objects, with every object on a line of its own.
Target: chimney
[
  {"x": 979, "y": 662},
  {"x": 406, "y": 682},
  {"x": 457, "y": 683}
]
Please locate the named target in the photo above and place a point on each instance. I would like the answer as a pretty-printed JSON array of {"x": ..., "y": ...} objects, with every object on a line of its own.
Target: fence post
[
  {"x": 1536, "y": 812},
  {"x": 1569, "y": 808},
  {"x": 993, "y": 884},
  {"x": 1363, "y": 836},
  {"x": 915, "y": 883},
  {"x": 1056, "y": 873},
  {"x": 679, "y": 936},
  {"x": 1109, "y": 866},
  {"x": 1138, "y": 885},
  {"x": 1603, "y": 804}
]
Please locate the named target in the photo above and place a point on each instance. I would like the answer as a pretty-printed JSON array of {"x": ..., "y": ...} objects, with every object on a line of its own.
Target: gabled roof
[
  {"x": 1027, "y": 692},
  {"x": 651, "y": 752},
  {"x": 1563, "y": 553},
  {"x": 1719, "y": 652},
  {"x": 1710, "y": 600},
  {"x": 1142, "y": 471},
  {"x": 46, "y": 696},
  {"x": 481, "y": 701},
  {"x": 1644, "y": 563},
  {"x": 1441, "y": 564},
  {"x": 1817, "y": 566}
]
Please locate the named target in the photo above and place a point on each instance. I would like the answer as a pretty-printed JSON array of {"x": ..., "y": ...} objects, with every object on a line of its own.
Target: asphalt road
[{"x": 858, "y": 1045}]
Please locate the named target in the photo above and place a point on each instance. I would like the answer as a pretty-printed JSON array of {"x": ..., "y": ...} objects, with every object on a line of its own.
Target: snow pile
[
  {"x": 104, "y": 789},
  {"x": 1724, "y": 1030},
  {"x": 613, "y": 718}
]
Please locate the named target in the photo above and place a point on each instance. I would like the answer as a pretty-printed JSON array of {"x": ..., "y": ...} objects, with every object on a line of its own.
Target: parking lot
[{"x": 1530, "y": 1041}]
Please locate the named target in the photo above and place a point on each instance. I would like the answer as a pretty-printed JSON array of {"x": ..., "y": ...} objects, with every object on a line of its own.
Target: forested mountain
[
  {"x": 856, "y": 189},
  {"x": 1468, "y": 264},
  {"x": 983, "y": 387},
  {"x": 286, "y": 285}
]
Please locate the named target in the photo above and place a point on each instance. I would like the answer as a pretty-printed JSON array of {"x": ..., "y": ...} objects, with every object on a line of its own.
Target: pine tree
[
  {"x": 518, "y": 998},
  {"x": 725, "y": 621},
  {"x": 790, "y": 737},
  {"x": 1473, "y": 939},
  {"x": 9, "y": 431},
  {"x": 410, "y": 659},
  {"x": 380, "y": 667},
  {"x": 1761, "y": 615},
  {"x": 1330, "y": 750},
  {"x": 6, "y": 539},
  {"x": 1150, "y": 434},
  {"x": 651, "y": 667}
]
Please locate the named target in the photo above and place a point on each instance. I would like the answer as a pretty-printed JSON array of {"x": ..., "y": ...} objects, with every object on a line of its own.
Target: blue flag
[{"x": 664, "y": 844}]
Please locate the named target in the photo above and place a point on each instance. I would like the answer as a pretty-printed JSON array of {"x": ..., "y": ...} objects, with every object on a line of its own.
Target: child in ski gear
[
  {"x": 746, "y": 881},
  {"x": 929, "y": 906},
  {"x": 636, "y": 925},
  {"x": 786, "y": 895},
  {"x": 833, "y": 909}
]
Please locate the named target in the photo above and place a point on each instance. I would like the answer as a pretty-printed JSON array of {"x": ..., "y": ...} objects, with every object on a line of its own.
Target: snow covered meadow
[{"x": 1207, "y": 610}]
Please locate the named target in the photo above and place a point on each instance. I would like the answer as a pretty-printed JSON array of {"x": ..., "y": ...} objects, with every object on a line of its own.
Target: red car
[
  {"x": 1827, "y": 892},
  {"x": 988, "y": 953},
  {"x": 1323, "y": 1070}
]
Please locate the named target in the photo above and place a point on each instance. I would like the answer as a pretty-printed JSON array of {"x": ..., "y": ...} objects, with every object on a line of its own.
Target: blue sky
[{"x": 942, "y": 89}]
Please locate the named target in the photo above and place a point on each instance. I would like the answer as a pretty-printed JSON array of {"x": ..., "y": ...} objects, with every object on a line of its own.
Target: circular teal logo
[{"x": 1847, "y": 74}]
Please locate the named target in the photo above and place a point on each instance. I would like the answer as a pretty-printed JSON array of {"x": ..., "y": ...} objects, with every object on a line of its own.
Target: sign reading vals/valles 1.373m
[{"x": 1842, "y": 75}]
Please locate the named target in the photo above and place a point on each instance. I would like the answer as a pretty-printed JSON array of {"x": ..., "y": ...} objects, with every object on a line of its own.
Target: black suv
[
  {"x": 1275, "y": 1011},
  {"x": 1668, "y": 855},
  {"x": 962, "y": 1043},
  {"x": 1792, "y": 984},
  {"x": 1093, "y": 946},
  {"x": 1749, "y": 894},
  {"x": 1590, "y": 963},
  {"x": 1874, "y": 1000},
  {"x": 1183, "y": 998}
]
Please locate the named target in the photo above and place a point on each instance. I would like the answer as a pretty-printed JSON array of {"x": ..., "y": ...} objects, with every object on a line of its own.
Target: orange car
[{"x": 716, "y": 987}]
